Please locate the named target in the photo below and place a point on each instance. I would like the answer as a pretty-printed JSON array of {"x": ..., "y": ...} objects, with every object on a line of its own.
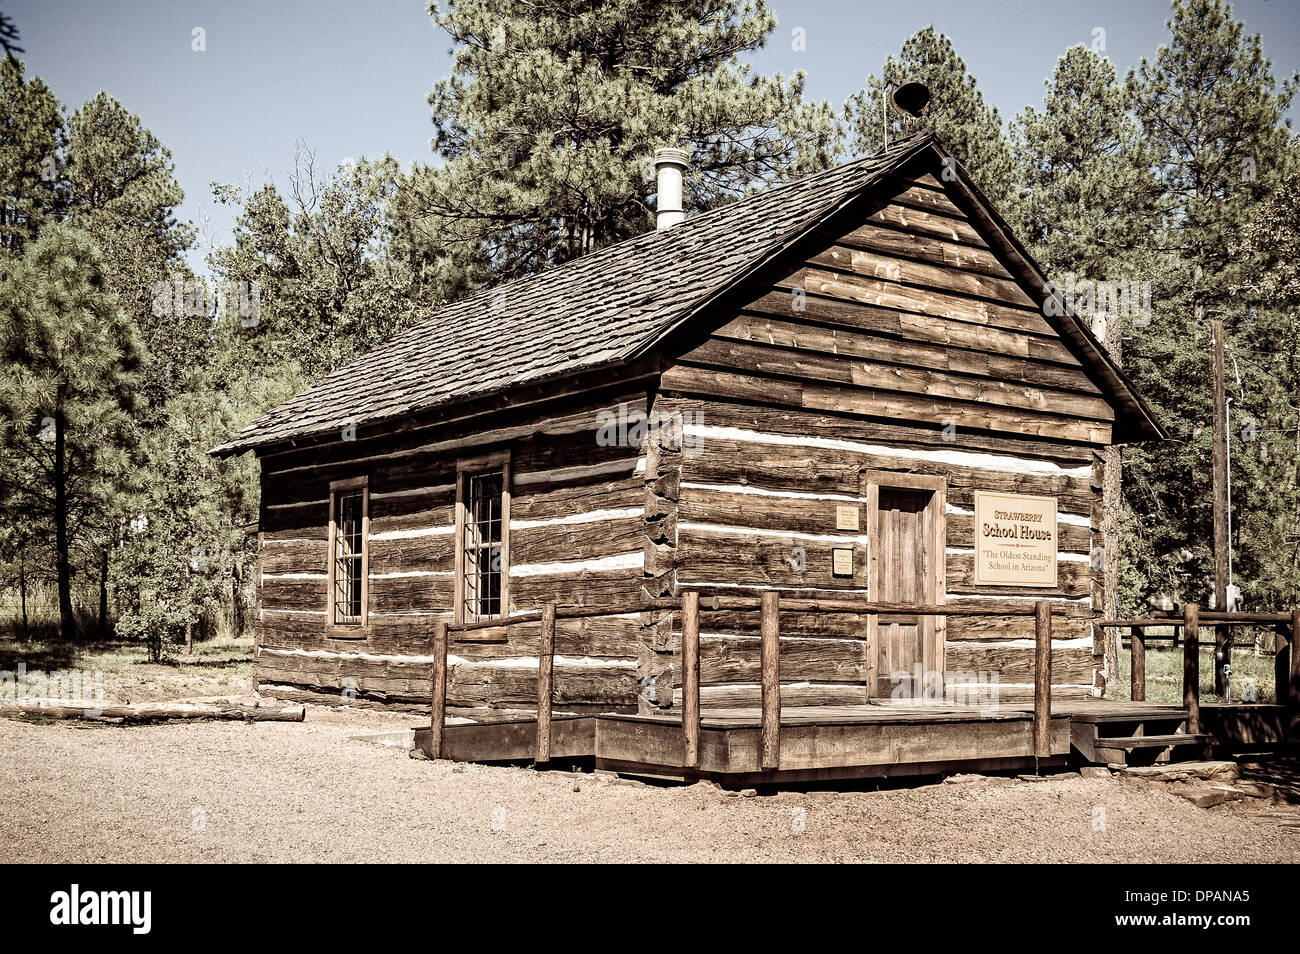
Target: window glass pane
[
  {"x": 348, "y": 549},
  {"x": 483, "y": 545}
]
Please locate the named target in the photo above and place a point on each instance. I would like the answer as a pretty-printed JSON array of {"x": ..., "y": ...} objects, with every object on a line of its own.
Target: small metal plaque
[
  {"x": 846, "y": 517},
  {"x": 842, "y": 561}
]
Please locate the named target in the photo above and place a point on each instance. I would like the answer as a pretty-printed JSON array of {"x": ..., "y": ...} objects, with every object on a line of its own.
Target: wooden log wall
[
  {"x": 902, "y": 344},
  {"x": 577, "y": 532}
]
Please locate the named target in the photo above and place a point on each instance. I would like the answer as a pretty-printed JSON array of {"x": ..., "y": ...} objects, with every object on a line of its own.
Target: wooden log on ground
[
  {"x": 691, "y": 677},
  {"x": 770, "y": 642},
  {"x": 1138, "y": 664},
  {"x": 545, "y": 674},
  {"x": 1042, "y": 679},
  {"x": 1192, "y": 666},
  {"x": 438, "y": 708},
  {"x": 151, "y": 711}
]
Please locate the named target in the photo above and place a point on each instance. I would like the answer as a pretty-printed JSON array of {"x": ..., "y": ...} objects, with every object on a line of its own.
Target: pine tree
[
  {"x": 118, "y": 185},
  {"x": 1211, "y": 108},
  {"x": 1090, "y": 205},
  {"x": 31, "y": 139},
  {"x": 70, "y": 364},
  {"x": 550, "y": 119},
  {"x": 1090, "y": 199},
  {"x": 967, "y": 126}
]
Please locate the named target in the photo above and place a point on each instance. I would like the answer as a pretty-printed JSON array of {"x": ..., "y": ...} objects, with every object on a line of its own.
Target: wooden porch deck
[
  {"x": 773, "y": 743},
  {"x": 824, "y": 743},
  {"x": 816, "y": 743}
]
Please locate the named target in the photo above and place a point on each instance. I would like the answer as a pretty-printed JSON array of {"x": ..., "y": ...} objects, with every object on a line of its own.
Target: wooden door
[
  {"x": 902, "y": 565},
  {"x": 907, "y": 531}
]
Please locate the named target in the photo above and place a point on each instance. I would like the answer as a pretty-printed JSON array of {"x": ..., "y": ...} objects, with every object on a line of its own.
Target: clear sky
[{"x": 350, "y": 79}]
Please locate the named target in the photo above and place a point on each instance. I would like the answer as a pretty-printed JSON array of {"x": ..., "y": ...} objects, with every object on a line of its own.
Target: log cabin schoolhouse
[{"x": 807, "y": 391}]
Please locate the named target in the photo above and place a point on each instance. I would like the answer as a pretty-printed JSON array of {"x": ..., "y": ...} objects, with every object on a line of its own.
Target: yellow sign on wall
[{"x": 1015, "y": 540}]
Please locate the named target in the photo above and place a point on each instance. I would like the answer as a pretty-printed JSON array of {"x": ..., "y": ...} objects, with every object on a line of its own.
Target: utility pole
[{"x": 1222, "y": 641}]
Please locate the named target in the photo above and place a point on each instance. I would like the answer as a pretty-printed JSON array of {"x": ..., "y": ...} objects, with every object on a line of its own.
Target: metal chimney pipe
[{"x": 670, "y": 167}]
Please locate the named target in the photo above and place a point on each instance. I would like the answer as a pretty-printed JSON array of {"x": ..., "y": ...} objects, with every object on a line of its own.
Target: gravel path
[{"x": 307, "y": 792}]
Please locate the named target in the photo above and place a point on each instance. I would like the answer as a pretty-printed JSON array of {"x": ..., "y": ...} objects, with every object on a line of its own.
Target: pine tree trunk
[
  {"x": 236, "y": 597},
  {"x": 62, "y": 543},
  {"x": 22, "y": 590},
  {"x": 103, "y": 594}
]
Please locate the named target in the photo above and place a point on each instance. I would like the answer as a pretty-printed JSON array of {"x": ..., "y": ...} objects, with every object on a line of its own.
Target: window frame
[
  {"x": 465, "y": 469},
  {"x": 358, "y": 628}
]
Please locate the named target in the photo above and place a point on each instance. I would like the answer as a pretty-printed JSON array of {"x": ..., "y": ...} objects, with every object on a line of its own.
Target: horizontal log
[
  {"x": 1205, "y": 616},
  {"x": 1072, "y": 666},
  {"x": 937, "y": 250},
  {"x": 834, "y": 308},
  {"x": 725, "y": 660},
  {"x": 294, "y": 556},
  {"x": 868, "y": 402},
  {"x": 928, "y": 301},
  {"x": 151, "y": 711},
  {"x": 738, "y": 556},
  {"x": 927, "y": 222},
  {"x": 496, "y": 685},
  {"x": 849, "y": 342},
  {"x": 791, "y": 360},
  {"x": 945, "y": 278}
]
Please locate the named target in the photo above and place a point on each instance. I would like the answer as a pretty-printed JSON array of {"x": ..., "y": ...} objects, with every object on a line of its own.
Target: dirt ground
[{"x": 311, "y": 792}]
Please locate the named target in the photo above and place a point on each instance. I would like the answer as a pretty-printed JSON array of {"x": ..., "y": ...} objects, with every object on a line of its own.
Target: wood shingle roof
[{"x": 592, "y": 312}]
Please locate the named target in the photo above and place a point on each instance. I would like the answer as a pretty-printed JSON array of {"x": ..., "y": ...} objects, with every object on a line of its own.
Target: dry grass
[
  {"x": 1165, "y": 673},
  {"x": 219, "y": 667}
]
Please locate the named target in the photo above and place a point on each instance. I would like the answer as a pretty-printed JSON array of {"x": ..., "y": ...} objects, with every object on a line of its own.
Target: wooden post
[
  {"x": 1283, "y": 648},
  {"x": 545, "y": 672},
  {"x": 691, "y": 677},
  {"x": 770, "y": 642},
  {"x": 1219, "y": 463},
  {"x": 438, "y": 710},
  {"x": 1138, "y": 664},
  {"x": 1291, "y": 697},
  {"x": 1042, "y": 679},
  {"x": 1192, "y": 666}
]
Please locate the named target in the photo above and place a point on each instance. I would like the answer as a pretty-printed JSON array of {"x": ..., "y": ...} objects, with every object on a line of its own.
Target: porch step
[
  {"x": 1151, "y": 741},
  {"x": 1135, "y": 735}
]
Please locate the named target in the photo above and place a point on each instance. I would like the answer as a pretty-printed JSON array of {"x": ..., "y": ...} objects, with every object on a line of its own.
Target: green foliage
[
  {"x": 551, "y": 116},
  {"x": 31, "y": 136},
  {"x": 1209, "y": 108},
  {"x": 338, "y": 268},
  {"x": 1089, "y": 195},
  {"x": 69, "y": 363},
  {"x": 183, "y": 551}
]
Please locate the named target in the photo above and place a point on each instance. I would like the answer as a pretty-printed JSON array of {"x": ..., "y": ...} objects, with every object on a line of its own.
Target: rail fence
[
  {"x": 1286, "y": 661},
  {"x": 769, "y": 606}
]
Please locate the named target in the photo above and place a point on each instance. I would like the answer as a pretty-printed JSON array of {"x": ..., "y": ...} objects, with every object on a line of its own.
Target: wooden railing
[
  {"x": 768, "y": 606},
  {"x": 1286, "y": 660}
]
